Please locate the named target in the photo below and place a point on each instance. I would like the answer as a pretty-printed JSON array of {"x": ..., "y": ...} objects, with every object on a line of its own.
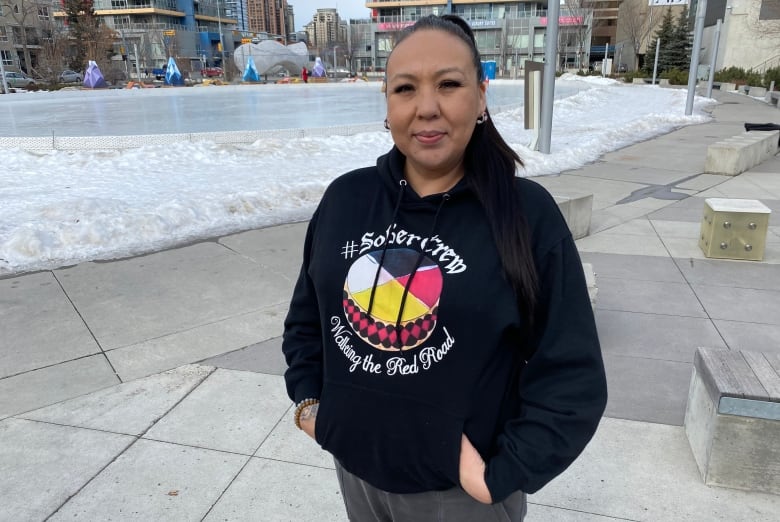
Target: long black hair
[{"x": 490, "y": 170}]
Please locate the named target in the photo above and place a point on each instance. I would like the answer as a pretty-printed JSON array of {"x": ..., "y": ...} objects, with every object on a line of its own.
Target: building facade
[
  {"x": 24, "y": 26},
  {"x": 508, "y": 33},
  {"x": 269, "y": 16},
  {"x": 750, "y": 34}
]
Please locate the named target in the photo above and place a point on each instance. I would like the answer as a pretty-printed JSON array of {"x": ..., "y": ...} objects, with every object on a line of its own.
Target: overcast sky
[{"x": 305, "y": 9}]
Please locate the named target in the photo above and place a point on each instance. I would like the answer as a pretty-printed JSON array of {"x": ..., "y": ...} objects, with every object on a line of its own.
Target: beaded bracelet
[{"x": 299, "y": 409}]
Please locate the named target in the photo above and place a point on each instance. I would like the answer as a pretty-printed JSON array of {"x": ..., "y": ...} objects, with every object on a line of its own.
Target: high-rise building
[
  {"x": 268, "y": 16},
  {"x": 237, "y": 9},
  {"x": 323, "y": 30}
]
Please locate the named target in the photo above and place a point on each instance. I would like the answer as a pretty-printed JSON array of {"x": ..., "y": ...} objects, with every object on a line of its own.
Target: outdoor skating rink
[{"x": 168, "y": 110}]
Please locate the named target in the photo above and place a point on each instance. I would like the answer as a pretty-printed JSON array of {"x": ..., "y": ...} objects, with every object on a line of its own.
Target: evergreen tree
[
  {"x": 665, "y": 33},
  {"x": 681, "y": 45}
]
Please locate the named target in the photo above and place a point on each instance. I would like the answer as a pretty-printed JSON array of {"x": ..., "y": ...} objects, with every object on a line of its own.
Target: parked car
[
  {"x": 210, "y": 72},
  {"x": 68, "y": 76},
  {"x": 17, "y": 80}
]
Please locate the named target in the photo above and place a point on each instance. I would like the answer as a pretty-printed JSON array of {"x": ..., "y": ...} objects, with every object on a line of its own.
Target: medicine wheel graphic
[{"x": 420, "y": 309}]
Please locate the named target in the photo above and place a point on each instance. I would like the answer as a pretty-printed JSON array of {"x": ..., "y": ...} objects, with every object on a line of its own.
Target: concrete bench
[
  {"x": 772, "y": 97},
  {"x": 757, "y": 91},
  {"x": 737, "y": 154},
  {"x": 727, "y": 86},
  {"x": 577, "y": 210},
  {"x": 732, "y": 419}
]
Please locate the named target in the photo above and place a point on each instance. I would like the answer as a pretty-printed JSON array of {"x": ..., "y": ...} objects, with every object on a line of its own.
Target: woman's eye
[
  {"x": 450, "y": 84},
  {"x": 402, "y": 88}
]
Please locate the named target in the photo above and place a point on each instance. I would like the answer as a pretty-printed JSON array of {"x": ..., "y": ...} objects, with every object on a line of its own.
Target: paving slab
[
  {"x": 130, "y": 408},
  {"x": 201, "y": 342},
  {"x": 768, "y": 180},
  {"x": 703, "y": 182},
  {"x": 740, "y": 304},
  {"x": 289, "y": 444},
  {"x": 229, "y": 411},
  {"x": 134, "y": 300},
  {"x": 636, "y": 174},
  {"x": 689, "y": 209},
  {"x": 645, "y": 389},
  {"x": 688, "y": 248},
  {"x": 654, "y": 336},
  {"x": 649, "y": 475},
  {"x": 264, "y": 357},
  {"x": 608, "y": 242},
  {"x": 750, "y": 336},
  {"x": 37, "y": 388},
  {"x": 278, "y": 248},
  {"x": 731, "y": 273},
  {"x": 688, "y": 156},
  {"x": 44, "y": 464},
  {"x": 542, "y": 513},
  {"x": 741, "y": 187},
  {"x": 276, "y": 491},
  {"x": 155, "y": 481},
  {"x": 38, "y": 325},
  {"x": 610, "y": 190},
  {"x": 613, "y": 215},
  {"x": 196, "y": 344},
  {"x": 652, "y": 297},
  {"x": 640, "y": 268}
]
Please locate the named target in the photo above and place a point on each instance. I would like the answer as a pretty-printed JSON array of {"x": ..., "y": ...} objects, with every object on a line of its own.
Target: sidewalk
[{"x": 151, "y": 388}]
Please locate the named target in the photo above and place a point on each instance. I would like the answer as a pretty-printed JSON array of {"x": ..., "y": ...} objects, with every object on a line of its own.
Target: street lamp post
[
  {"x": 334, "y": 60},
  {"x": 221, "y": 43}
]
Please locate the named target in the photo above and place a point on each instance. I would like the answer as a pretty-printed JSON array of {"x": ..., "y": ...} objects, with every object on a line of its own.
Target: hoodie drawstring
[
  {"x": 420, "y": 258},
  {"x": 402, "y": 183}
]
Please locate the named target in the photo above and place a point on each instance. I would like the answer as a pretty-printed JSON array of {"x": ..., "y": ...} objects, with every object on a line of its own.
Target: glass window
[
  {"x": 539, "y": 40},
  {"x": 3, "y": 34},
  {"x": 6, "y": 57},
  {"x": 43, "y": 13}
]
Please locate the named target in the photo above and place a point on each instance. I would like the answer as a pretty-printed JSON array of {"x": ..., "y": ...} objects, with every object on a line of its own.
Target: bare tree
[
  {"x": 637, "y": 23},
  {"x": 574, "y": 32},
  {"x": 55, "y": 48}
]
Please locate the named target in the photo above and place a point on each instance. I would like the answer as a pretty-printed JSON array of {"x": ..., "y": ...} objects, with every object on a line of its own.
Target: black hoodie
[{"x": 383, "y": 269}]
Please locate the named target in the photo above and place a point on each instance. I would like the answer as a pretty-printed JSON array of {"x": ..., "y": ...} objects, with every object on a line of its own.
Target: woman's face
[{"x": 433, "y": 102}]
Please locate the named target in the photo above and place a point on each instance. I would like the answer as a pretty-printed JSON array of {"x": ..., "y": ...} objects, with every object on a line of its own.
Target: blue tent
[
  {"x": 172, "y": 74},
  {"x": 250, "y": 72},
  {"x": 93, "y": 78}
]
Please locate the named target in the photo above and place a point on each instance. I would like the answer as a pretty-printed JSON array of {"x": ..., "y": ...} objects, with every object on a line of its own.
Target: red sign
[
  {"x": 563, "y": 20},
  {"x": 393, "y": 26}
]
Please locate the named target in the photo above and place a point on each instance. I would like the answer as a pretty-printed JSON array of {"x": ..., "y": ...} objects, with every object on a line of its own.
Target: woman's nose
[{"x": 427, "y": 103}]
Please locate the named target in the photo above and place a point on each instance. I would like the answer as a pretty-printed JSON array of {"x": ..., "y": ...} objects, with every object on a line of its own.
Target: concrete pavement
[{"x": 150, "y": 388}]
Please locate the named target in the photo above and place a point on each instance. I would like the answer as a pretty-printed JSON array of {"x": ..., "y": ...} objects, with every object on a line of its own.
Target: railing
[
  {"x": 105, "y": 5},
  {"x": 767, "y": 64}
]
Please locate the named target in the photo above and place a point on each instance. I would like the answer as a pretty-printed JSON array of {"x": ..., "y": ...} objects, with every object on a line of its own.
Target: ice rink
[{"x": 120, "y": 112}]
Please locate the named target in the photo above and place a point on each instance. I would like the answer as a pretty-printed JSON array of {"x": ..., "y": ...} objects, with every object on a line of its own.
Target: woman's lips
[{"x": 429, "y": 137}]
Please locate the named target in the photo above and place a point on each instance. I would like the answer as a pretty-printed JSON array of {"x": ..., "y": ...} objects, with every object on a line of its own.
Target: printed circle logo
[{"x": 372, "y": 311}]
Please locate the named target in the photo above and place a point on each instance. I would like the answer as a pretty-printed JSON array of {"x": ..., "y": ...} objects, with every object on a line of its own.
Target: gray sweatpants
[{"x": 366, "y": 503}]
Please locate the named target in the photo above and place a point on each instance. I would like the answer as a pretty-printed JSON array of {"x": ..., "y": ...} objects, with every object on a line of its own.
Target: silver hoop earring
[
  {"x": 482, "y": 118},
  {"x": 387, "y": 125}
]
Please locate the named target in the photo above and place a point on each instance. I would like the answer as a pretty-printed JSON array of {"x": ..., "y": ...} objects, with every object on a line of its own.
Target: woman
[{"x": 440, "y": 339}]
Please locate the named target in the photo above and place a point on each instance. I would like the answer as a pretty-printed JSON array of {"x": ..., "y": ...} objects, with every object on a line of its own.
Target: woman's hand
[
  {"x": 472, "y": 472},
  {"x": 308, "y": 419}
]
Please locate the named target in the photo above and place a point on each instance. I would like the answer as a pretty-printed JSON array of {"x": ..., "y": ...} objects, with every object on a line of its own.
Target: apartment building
[
  {"x": 23, "y": 27},
  {"x": 269, "y": 16},
  {"x": 188, "y": 30},
  {"x": 324, "y": 29},
  {"x": 508, "y": 32}
]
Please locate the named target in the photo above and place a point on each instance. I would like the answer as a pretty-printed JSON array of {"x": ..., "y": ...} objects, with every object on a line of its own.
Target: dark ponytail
[{"x": 490, "y": 170}]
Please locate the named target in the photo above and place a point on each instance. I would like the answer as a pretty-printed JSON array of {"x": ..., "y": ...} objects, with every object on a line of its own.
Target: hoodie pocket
[{"x": 394, "y": 443}]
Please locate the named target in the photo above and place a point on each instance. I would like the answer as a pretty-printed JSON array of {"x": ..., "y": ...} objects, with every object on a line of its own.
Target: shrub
[{"x": 676, "y": 76}]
